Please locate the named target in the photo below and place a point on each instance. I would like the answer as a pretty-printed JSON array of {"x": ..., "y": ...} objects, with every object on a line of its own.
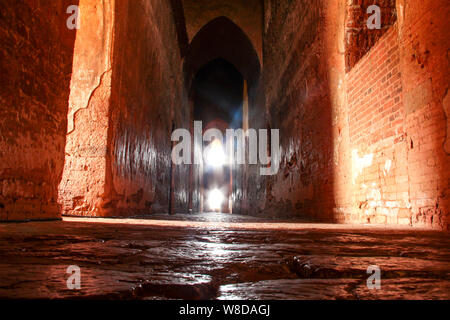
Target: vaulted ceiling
[{"x": 247, "y": 15}]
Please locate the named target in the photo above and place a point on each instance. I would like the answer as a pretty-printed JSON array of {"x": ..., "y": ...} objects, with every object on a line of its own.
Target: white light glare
[
  {"x": 215, "y": 155},
  {"x": 215, "y": 199}
]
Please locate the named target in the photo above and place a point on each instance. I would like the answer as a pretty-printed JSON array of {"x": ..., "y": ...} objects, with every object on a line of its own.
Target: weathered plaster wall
[
  {"x": 83, "y": 183},
  {"x": 127, "y": 95},
  {"x": 425, "y": 65},
  {"x": 36, "y": 50},
  {"x": 302, "y": 72},
  {"x": 148, "y": 102}
]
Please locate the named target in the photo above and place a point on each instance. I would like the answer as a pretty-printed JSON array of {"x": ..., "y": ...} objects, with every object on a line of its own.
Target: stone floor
[{"x": 214, "y": 256}]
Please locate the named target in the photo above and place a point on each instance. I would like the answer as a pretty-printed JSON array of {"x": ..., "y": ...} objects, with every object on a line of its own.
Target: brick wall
[
  {"x": 398, "y": 129},
  {"x": 377, "y": 139},
  {"x": 374, "y": 93},
  {"x": 424, "y": 52},
  {"x": 370, "y": 145}
]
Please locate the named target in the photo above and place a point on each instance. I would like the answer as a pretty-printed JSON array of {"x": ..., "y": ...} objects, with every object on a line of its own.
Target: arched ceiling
[
  {"x": 246, "y": 14},
  {"x": 222, "y": 38}
]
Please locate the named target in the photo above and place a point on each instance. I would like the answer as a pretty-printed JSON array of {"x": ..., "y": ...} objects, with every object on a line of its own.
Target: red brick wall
[
  {"x": 371, "y": 145},
  {"x": 397, "y": 98},
  {"x": 424, "y": 53},
  {"x": 374, "y": 92},
  {"x": 377, "y": 139},
  {"x": 36, "y": 51}
]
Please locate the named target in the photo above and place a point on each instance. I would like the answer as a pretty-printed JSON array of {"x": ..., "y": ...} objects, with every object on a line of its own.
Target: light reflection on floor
[
  {"x": 217, "y": 256},
  {"x": 224, "y": 220}
]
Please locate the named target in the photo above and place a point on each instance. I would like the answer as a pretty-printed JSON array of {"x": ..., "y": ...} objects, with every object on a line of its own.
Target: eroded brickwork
[
  {"x": 397, "y": 125},
  {"x": 148, "y": 103},
  {"x": 297, "y": 75},
  {"x": 36, "y": 50},
  {"x": 359, "y": 39},
  {"x": 370, "y": 146},
  {"x": 424, "y": 55},
  {"x": 378, "y": 140},
  {"x": 363, "y": 114},
  {"x": 129, "y": 99}
]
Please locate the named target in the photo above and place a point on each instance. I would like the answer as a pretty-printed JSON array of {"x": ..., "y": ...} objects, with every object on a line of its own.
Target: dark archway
[
  {"x": 222, "y": 38},
  {"x": 222, "y": 47},
  {"x": 218, "y": 99}
]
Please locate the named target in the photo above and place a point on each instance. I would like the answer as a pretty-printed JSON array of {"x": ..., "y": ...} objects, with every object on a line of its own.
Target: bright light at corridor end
[
  {"x": 215, "y": 154},
  {"x": 215, "y": 199}
]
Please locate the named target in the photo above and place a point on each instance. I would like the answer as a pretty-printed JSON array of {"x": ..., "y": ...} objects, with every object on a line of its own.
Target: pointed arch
[{"x": 222, "y": 38}]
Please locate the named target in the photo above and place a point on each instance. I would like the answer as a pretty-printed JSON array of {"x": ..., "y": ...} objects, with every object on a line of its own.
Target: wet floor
[{"x": 213, "y": 256}]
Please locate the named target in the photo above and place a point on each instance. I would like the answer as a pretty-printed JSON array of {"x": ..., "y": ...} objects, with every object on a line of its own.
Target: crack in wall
[
  {"x": 72, "y": 121},
  {"x": 446, "y": 106}
]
